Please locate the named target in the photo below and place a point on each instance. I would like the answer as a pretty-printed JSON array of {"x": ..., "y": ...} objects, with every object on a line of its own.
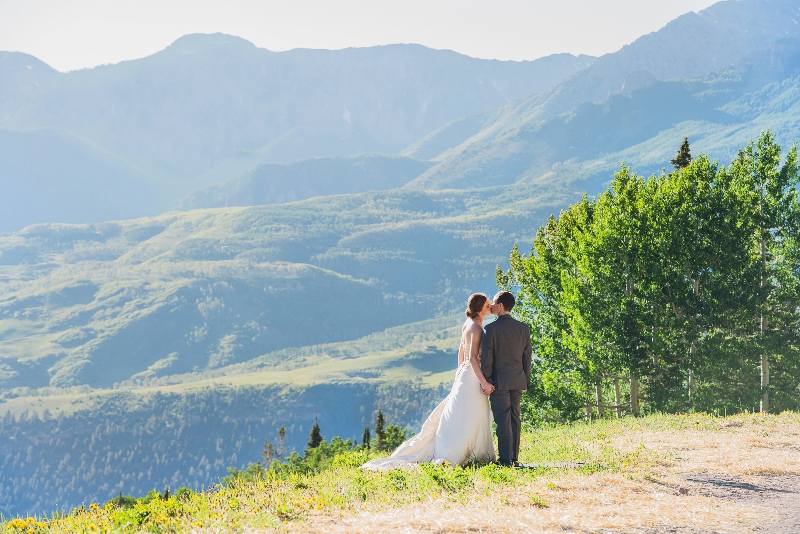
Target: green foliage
[
  {"x": 687, "y": 282},
  {"x": 395, "y": 436},
  {"x": 354, "y": 458},
  {"x": 498, "y": 474},
  {"x": 449, "y": 478},
  {"x": 124, "y": 501}
]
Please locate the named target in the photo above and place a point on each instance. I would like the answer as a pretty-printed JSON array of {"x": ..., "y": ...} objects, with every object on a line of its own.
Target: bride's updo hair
[{"x": 475, "y": 304}]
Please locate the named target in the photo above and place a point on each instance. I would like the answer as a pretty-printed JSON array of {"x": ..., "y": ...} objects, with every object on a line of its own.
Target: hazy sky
[{"x": 72, "y": 34}]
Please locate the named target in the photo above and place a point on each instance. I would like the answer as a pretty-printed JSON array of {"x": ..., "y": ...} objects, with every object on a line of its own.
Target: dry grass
[
  {"x": 740, "y": 445},
  {"x": 577, "y": 504},
  {"x": 650, "y": 490}
]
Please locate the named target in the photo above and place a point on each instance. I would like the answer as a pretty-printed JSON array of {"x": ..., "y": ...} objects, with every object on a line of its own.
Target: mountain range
[{"x": 211, "y": 106}]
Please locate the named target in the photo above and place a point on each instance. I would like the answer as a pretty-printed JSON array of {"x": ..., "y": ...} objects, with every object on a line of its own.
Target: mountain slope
[
  {"x": 58, "y": 175},
  {"x": 194, "y": 291},
  {"x": 274, "y": 183},
  {"x": 554, "y": 149},
  {"x": 690, "y": 46},
  {"x": 687, "y": 47}
]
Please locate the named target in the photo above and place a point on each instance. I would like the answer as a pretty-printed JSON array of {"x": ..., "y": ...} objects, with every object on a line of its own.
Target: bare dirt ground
[{"x": 739, "y": 478}]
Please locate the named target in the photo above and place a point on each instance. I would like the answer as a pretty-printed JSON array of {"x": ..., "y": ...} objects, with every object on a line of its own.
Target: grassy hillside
[
  {"x": 657, "y": 472},
  {"x": 194, "y": 291}
]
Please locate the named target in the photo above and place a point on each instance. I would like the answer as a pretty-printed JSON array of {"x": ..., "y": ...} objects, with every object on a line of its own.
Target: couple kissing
[{"x": 494, "y": 361}]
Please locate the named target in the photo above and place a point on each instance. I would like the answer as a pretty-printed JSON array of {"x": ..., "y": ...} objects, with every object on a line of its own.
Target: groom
[{"x": 506, "y": 364}]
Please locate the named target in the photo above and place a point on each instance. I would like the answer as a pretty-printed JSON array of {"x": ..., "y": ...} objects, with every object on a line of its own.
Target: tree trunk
[
  {"x": 599, "y": 395},
  {"x": 616, "y": 398},
  {"x": 634, "y": 396},
  {"x": 589, "y": 410},
  {"x": 762, "y": 330},
  {"x": 692, "y": 380},
  {"x": 765, "y": 383}
]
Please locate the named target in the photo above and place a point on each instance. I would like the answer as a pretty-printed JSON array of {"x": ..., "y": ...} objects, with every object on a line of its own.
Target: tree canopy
[{"x": 675, "y": 293}]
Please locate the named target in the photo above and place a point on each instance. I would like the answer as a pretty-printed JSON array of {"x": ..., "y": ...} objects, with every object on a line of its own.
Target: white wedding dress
[{"x": 458, "y": 431}]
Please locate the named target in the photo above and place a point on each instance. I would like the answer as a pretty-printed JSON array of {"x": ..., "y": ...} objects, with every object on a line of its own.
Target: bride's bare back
[{"x": 469, "y": 351}]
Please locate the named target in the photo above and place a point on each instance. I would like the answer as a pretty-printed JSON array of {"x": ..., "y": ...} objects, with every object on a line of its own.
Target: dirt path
[{"x": 778, "y": 496}]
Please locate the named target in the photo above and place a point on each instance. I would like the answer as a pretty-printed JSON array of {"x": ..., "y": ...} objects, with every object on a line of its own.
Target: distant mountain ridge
[
  {"x": 687, "y": 47},
  {"x": 690, "y": 46},
  {"x": 209, "y": 107},
  {"x": 553, "y": 148}
]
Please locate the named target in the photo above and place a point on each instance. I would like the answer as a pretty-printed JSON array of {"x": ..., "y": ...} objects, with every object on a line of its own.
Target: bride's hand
[{"x": 487, "y": 388}]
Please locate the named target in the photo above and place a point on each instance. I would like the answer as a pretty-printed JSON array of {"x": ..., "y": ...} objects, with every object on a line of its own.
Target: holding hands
[{"x": 487, "y": 388}]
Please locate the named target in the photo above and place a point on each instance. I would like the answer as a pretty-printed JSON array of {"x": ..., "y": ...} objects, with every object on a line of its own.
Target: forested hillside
[
  {"x": 274, "y": 183},
  {"x": 133, "y": 442}
]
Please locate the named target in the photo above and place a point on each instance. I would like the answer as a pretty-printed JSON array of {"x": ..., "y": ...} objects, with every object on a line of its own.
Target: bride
[{"x": 459, "y": 430}]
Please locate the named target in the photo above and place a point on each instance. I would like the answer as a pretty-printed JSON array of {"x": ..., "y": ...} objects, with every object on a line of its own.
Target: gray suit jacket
[{"x": 506, "y": 354}]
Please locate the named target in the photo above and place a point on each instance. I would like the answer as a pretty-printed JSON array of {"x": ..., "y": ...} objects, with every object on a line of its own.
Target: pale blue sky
[{"x": 72, "y": 34}]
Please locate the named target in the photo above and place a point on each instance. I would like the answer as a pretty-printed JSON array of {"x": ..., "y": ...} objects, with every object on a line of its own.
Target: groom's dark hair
[{"x": 506, "y": 299}]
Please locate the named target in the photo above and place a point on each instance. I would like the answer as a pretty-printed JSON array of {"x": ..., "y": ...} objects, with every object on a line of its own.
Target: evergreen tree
[
  {"x": 365, "y": 438},
  {"x": 380, "y": 432},
  {"x": 268, "y": 453},
  {"x": 683, "y": 158},
  {"x": 165, "y": 496},
  {"x": 281, "y": 443},
  {"x": 314, "y": 438}
]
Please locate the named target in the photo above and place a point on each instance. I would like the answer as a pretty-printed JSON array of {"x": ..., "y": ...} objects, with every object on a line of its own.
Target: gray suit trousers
[{"x": 505, "y": 408}]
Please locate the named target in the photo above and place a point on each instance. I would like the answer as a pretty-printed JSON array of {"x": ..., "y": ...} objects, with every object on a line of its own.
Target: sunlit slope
[
  {"x": 193, "y": 291},
  {"x": 753, "y": 94},
  {"x": 690, "y": 46}
]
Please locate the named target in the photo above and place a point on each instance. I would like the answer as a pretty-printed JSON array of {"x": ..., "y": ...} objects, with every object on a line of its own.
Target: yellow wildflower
[{"x": 17, "y": 523}]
